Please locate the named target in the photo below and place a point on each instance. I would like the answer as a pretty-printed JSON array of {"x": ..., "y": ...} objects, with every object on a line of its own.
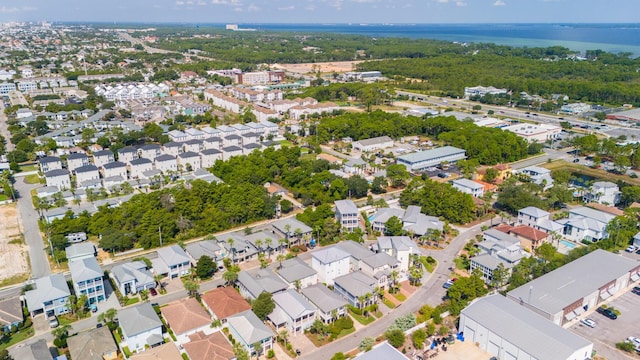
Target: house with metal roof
[
  {"x": 382, "y": 351},
  {"x": 508, "y": 330},
  {"x": 295, "y": 231},
  {"x": 292, "y": 311},
  {"x": 537, "y": 175},
  {"x": 412, "y": 219},
  {"x": 141, "y": 327},
  {"x": 585, "y": 223},
  {"x": 49, "y": 296},
  {"x": 11, "y": 313},
  {"x": 567, "y": 292},
  {"x": 467, "y": 186},
  {"x": 132, "y": 277},
  {"x": 366, "y": 145},
  {"x": 173, "y": 261},
  {"x": 329, "y": 305},
  {"x": 86, "y": 276},
  {"x": 247, "y": 329},
  {"x": 357, "y": 288},
  {"x": 254, "y": 282},
  {"x": 202, "y": 248},
  {"x": 38, "y": 350},
  {"x": 347, "y": 214},
  {"x": 602, "y": 192},
  {"x": 399, "y": 247},
  {"x": 297, "y": 273},
  {"x": 330, "y": 263},
  {"x": 423, "y": 159}
]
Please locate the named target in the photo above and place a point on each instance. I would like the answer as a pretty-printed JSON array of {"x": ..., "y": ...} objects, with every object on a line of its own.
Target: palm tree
[
  {"x": 158, "y": 278},
  {"x": 394, "y": 279},
  {"x": 284, "y": 334},
  {"x": 259, "y": 245},
  {"x": 230, "y": 277},
  {"x": 280, "y": 258},
  {"x": 231, "y": 242},
  {"x": 268, "y": 242},
  {"x": 282, "y": 242},
  {"x": 108, "y": 315}
]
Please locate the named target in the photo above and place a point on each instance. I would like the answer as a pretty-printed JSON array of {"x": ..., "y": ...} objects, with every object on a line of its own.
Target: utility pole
[{"x": 160, "y": 233}]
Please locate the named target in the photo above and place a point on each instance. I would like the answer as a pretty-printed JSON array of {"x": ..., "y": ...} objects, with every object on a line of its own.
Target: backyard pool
[{"x": 567, "y": 244}]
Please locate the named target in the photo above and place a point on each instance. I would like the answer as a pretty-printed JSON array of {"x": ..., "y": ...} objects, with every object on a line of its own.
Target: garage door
[
  {"x": 469, "y": 334},
  {"x": 509, "y": 356},
  {"x": 493, "y": 349}
]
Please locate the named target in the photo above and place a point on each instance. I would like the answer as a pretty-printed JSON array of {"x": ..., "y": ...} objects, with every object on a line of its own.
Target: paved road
[
  {"x": 29, "y": 224},
  {"x": 431, "y": 292},
  {"x": 4, "y": 129},
  {"x": 147, "y": 48},
  {"x": 549, "y": 154}
]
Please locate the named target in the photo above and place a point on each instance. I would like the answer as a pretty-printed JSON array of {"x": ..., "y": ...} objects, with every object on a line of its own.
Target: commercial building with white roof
[{"x": 423, "y": 159}]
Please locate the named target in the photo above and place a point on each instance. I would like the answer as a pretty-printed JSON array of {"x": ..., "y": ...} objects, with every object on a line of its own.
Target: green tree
[
  {"x": 393, "y": 226},
  {"x": 263, "y": 305},
  {"x": 286, "y": 206},
  {"x": 205, "y": 267},
  {"x": 379, "y": 184},
  {"x": 395, "y": 337},
  {"x": 398, "y": 175},
  {"x": 192, "y": 287},
  {"x": 230, "y": 277},
  {"x": 418, "y": 338},
  {"x": 463, "y": 291},
  {"x": 338, "y": 356},
  {"x": 366, "y": 343}
]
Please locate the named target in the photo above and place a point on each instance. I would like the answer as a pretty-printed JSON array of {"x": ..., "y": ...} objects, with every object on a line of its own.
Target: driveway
[{"x": 29, "y": 222}]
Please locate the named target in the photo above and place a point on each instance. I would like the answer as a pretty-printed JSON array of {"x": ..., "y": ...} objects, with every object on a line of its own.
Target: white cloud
[
  {"x": 219, "y": 2},
  {"x": 499, "y": 3},
  {"x": 461, "y": 3},
  {"x": 442, "y": 1},
  {"x": 337, "y": 4},
  {"x": 287, "y": 8},
  {"x": 253, "y": 7},
  {"x": 310, "y": 7},
  {"x": 6, "y": 10}
]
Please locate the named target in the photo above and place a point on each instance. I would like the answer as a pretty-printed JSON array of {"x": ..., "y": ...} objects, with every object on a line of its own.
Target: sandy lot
[
  {"x": 325, "y": 67},
  {"x": 13, "y": 251}
]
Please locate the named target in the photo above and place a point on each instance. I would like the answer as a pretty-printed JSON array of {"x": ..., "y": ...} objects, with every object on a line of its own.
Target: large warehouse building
[
  {"x": 423, "y": 159},
  {"x": 509, "y": 331},
  {"x": 567, "y": 292}
]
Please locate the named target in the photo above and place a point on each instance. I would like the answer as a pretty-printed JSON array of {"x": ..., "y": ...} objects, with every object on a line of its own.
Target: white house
[
  {"x": 330, "y": 263},
  {"x": 149, "y": 151},
  {"x": 469, "y": 187},
  {"x": 329, "y": 305},
  {"x": 585, "y": 223},
  {"x": 347, "y": 214},
  {"x": 532, "y": 216},
  {"x": 602, "y": 192},
  {"x": 173, "y": 261},
  {"x": 127, "y": 154},
  {"x": 297, "y": 273},
  {"x": 132, "y": 277},
  {"x": 400, "y": 247},
  {"x": 116, "y": 168},
  {"x": 209, "y": 157},
  {"x": 247, "y": 329},
  {"x": 166, "y": 163},
  {"x": 87, "y": 279},
  {"x": 141, "y": 327},
  {"x": 372, "y": 144},
  {"x": 537, "y": 175},
  {"x": 138, "y": 166},
  {"x": 172, "y": 148},
  {"x": 87, "y": 173},
  {"x": 103, "y": 157},
  {"x": 76, "y": 160},
  {"x": 49, "y": 296},
  {"x": 292, "y": 311},
  {"x": 49, "y": 163},
  {"x": 59, "y": 178},
  {"x": 189, "y": 161},
  {"x": 357, "y": 288}
]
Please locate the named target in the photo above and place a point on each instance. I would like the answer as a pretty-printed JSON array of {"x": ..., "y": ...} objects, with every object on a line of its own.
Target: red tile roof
[
  {"x": 225, "y": 302},
  {"x": 528, "y": 232},
  {"x": 505, "y": 228},
  {"x": 211, "y": 347},
  {"x": 185, "y": 315}
]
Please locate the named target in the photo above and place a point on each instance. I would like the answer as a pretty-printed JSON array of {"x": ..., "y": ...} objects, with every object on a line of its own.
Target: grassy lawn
[
  {"x": 400, "y": 296},
  {"x": 430, "y": 267},
  {"x": 388, "y": 303},
  {"x": 132, "y": 301},
  {"x": 17, "y": 337},
  {"x": 378, "y": 314},
  {"x": 4, "y": 197},
  {"x": 326, "y": 339},
  {"x": 32, "y": 179},
  {"x": 364, "y": 320},
  {"x": 26, "y": 168},
  {"x": 286, "y": 143},
  {"x": 18, "y": 279},
  {"x": 460, "y": 265}
]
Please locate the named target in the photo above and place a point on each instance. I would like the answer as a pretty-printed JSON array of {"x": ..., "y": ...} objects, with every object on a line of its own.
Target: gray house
[
  {"x": 141, "y": 327},
  {"x": 329, "y": 304},
  {"x": 247, "y": 329},
  {"x": 49, "y": 296},
  {"x": 87, "y": 279},
  {"x": 173, "y": 261},
  {"x": 252, "y": 283},
  {"x": 133, "y": 277},
  {"x": 357, "y": 288}
]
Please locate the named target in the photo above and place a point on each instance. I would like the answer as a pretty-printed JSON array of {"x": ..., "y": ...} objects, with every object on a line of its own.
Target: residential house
[
  {"x": 127, "y": 154},
  {"x": 294, "y": 231},
  {"x": 229, "y": 151},
  {"x": 254, "y": 282},
  {"x": 297, "y": 273},
  {"x": 399, "y": 247},
  {"x": 173, "y": 261},
  {"x": 38, "y": 350},
  {"x": 225, "y": 302},
  {"x": 209, "y": 157},
  {"x": 380, "y": 266},
  {"x": 292, "y": 311},
  {"x": 185, "y": 317},
  {"x": 537, "y": 175},
  {"x": 172, "y": 148},
  {"x": 214, "y": 142},
  {"x": 602, "y": 192},
  {"x": 80, "y": 251},
  {"x": 586, "y": 223},
  {"x": 49, "y": 163},
  {"x": 103, "y": 157},
  {"x": 116, "y": 168},
  {"x": 355, "y": 166},
  {"x": 77, "y": 160},
  {"x": 470, "y": 187},
  {"x": 138, "y": 166},
  {"x": 248, "y": 330},
  {"x": 166, "y": 163},
  {"x": 87, "y": 279},
  {"x": 413, "y": 221},
  {"x": 347, "y": 214},
  {"x": 141, "y": 327},
  {"x": 95, "y": 344},
  {"x": 86, "y": 174},
  {"x": 330, "y": 263},
  {"x": 59, "y": 178},
  {"x": 238, "y": 247},
  {"x": 530, "y": 238},
  {"x": 189, "y": 161},
  {"x": 357, "y": 288},
  {"x": 166, "y": 351},
  {"x": 132, "y": 277},
  {"x": 249, "y": 148},
  {"x": 195, "y": 134},
  {"x": 177, "y": 136},
  {"x": 49, "y": 296},
  {"x": 149, "y": 151},
  {"x": 489, "y": 262},
  {"x": 206, "y": 347},
  {"x": 11, "y": 314},
  {"x": 202, "y": 248},
  {"x": 329, "y": 305},
  {"x": 532, "y": 216},
  {"x": 192, "y": 146}
]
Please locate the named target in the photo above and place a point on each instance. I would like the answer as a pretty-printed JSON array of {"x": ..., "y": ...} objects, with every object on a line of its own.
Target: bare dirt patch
[
  {"x": 13, "y": 250},
  {"x": 323, "y": 67}
]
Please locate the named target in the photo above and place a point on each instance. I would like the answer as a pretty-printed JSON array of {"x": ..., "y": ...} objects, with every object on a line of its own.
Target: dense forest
[
  {"x": 487, "y": 145},
  {"x": 439, "y": 199}
]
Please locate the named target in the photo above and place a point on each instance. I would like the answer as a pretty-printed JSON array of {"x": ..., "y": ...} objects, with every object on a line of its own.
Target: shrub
[
  {"x": 271, "y": 354},
  {"x": 625, "y": 346},
  {"x": 418, "y": 337},
  {"x": 366, "y": 344},
  {"x": 395, "y": 337}
]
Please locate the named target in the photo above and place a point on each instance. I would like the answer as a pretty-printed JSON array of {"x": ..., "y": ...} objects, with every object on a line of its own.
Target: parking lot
[{"x": 608, "y": 332}]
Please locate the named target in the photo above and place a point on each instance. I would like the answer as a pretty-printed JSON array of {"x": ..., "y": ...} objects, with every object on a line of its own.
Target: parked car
[
  {"x": 449, "y": 283},
  {"x": 634, "y": 340},
  {"x": 153, "y": 291},
  {"x": 607, "y": 312},
  {"x": 631, "y": 249},
  {"x": 589, "y": 322},
  {"x": 636, "y": 290},
  {"x": 298, "y": 352},
  {"x": 576, "y": 160},
  {"x": 53, "y": 321}
]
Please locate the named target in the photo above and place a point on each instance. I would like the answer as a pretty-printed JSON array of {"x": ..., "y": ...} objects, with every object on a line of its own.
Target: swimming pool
[
  {"x": 371, "y": 217},
  {"x": 567, "y": 244}
]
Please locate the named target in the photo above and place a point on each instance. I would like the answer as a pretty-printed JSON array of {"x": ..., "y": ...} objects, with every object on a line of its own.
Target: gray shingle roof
[
  {"x": 261, "y": 280},
  {"x": 85, "y": 269},
  {"x": 293, "y": 304},
  {"x": 295, "y": 269},
  {"x": 56, "y": 172},
  {"x": 200, "y": 248},
  {"x": 138, "y": 319},
  {"x": 173, "y": 255},
  {"x": 346, "y": 207},
  {"x": 92, "y": 344},
  {"x": 47, "y": 288},
  {"x": 356, "y": 283},
  {"x": 323, "y": 298},
  {"x": 247, "y": 325},
  {"x": 523, "y": 328},
  {"x": 114, "y": 165},
  {"x": 135, "y": 270},
  {"x": 84, "y": 248}
]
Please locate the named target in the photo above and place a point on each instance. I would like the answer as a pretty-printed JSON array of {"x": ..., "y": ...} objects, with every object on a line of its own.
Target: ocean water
[{"x": 613, "y": 38}]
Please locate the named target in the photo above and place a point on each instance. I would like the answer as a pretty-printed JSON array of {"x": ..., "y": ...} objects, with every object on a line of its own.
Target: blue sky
[{"x": 323, "y": 11}]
